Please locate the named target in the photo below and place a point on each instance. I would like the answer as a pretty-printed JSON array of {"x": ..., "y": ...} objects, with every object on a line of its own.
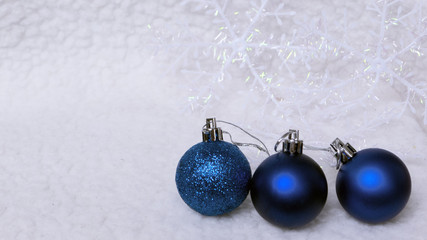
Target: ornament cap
[
  {"x": 211, "y": 132},
  {"x": 342, "y": 152},
  {"x": 290, "y": 142}
]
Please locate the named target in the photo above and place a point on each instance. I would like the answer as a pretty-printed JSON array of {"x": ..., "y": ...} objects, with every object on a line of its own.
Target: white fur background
[{"x": 99, "y": 100}]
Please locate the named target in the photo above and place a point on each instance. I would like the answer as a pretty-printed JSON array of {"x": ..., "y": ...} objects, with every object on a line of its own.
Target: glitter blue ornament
[
  {"x": 213, "y": 176},
  {"x": 289, "y": 189},
  {"x": 373, "y": 185}
]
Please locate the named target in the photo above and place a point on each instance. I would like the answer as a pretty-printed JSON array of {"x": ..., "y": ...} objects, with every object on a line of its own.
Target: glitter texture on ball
[{"x": 213, "y": 177}]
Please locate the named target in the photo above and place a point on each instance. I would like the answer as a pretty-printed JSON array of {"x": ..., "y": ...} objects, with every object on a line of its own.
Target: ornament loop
[
  {"x": 342, "y": 152},
  {"x": 211, "y": 132},
  {"x": 246, "y": 144},
  {"x": 264, "y": 148},
  {"x": 290, "y": 142}
]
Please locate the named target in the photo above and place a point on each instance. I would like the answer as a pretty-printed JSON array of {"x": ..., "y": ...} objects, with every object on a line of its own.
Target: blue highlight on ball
[
  {"x": 284, "y": 183},
  {"x": 370, "y": 178}
]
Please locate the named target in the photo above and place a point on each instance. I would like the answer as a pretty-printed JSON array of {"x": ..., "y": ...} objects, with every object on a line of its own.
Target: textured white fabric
[{"x": 95, "y": 113}]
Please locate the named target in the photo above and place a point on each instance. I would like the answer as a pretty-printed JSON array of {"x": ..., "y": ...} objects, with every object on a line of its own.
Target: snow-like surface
[{"x": 95, "y": 110}]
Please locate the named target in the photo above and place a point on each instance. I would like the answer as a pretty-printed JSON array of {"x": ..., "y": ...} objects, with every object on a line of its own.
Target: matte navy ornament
[
  {"x": 373, "y": 185},
  {"x": 289, "y": 189},
  {"x": 213, "y": 176}
]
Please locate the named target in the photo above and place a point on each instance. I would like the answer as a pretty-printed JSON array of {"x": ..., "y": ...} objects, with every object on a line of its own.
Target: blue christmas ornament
[
  {"x": 289, "y": 189},
  {"x": 373, "y": 185},
  {"x": 213, "y": 176}
]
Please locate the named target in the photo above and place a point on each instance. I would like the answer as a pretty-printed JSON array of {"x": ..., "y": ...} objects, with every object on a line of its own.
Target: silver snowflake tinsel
[{"x": 300, "y": 60}]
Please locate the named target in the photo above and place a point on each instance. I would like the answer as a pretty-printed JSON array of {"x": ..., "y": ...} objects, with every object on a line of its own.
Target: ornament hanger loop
[
  {"x": 246, "y": 144},
  {"x": 212, "y": 132},
  {"x": 343, "y": 153},
  {"x": 280, "y": 140}
]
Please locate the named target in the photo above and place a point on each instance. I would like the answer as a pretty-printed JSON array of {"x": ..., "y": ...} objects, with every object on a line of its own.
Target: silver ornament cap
[
  {"x": 342, "y": 152},
  {"x": 211, "y": 132},
  {"x": 290, "y": 142}
]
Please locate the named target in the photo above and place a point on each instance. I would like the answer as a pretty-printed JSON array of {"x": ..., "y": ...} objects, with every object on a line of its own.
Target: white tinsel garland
[{"x": 299, "y": 64}]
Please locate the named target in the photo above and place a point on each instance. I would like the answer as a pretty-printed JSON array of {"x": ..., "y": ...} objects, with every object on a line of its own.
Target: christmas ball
[
  {"x": 374, "y": 186},
  {"x": 289, "y": 190},
  {"x": 213, "y": 177}
]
